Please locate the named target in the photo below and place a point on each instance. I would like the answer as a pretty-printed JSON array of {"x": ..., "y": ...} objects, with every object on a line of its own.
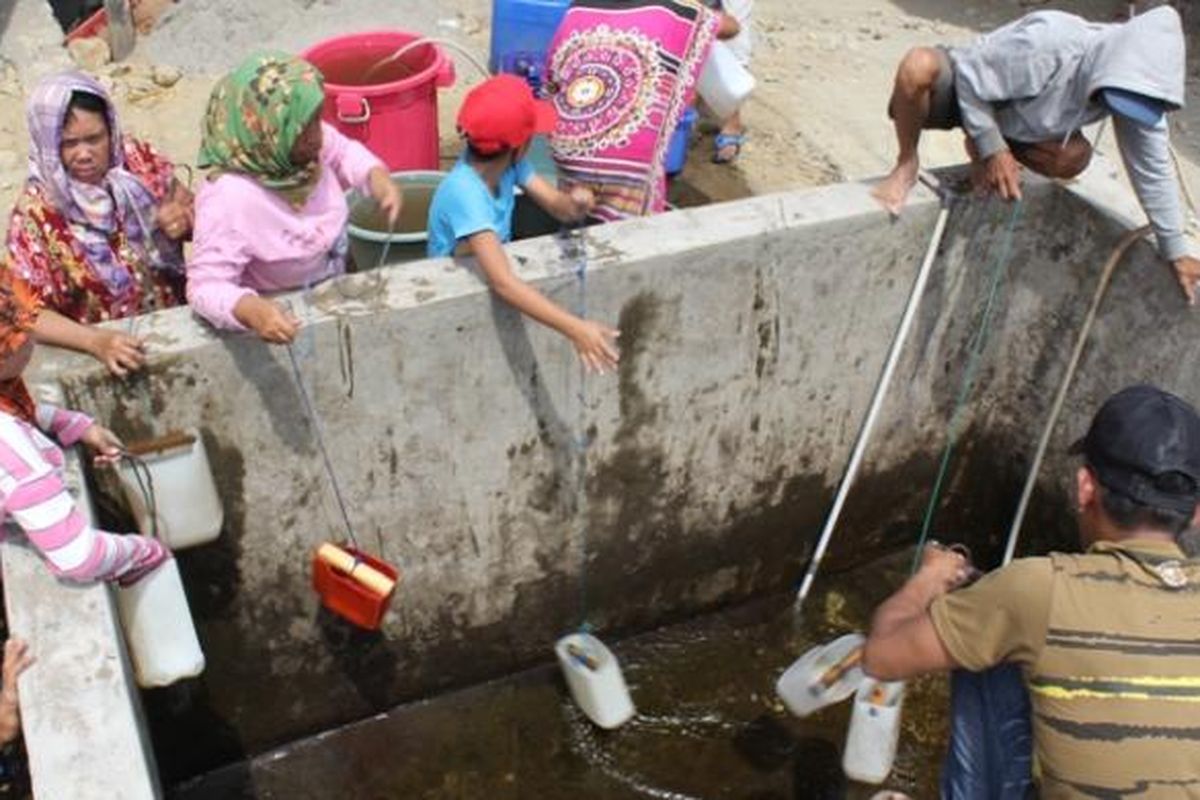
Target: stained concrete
[{"x": 752, "y": 335}]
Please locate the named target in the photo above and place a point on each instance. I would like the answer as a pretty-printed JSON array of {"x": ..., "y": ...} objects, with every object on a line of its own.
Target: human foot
[
  {"x": 729, "y": 147},
  {"x": 893, "y": 190}
]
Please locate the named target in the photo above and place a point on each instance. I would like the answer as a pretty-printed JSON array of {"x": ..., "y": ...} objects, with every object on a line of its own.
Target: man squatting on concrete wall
[{"x": 1023, "y": 94}]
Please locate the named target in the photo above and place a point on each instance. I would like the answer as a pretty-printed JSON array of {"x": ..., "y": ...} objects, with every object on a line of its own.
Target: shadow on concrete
[
  {"x": 554, "y": 432},
  {"x": 277, "y": 387},
  {"x": 6, "y": 11}
]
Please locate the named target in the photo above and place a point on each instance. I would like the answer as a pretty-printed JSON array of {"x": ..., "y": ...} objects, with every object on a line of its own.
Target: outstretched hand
[
  {"x": 582, "y": 201},
  {"x": 105, "y": 445},
  {"x": 386, "y": 194},
  {"x": 945, "y": 568},
  {"x": 596, "y": 346},
  {"x": 1002, "y": 175},
  {"x": 120, "y": 352},
  {"x": 1187, "y": 272},
  {"x": 268, "y": 319}
]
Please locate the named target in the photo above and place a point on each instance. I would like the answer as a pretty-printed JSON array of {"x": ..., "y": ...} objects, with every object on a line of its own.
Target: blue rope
[
  {"x": 976, "y": 346},
  {"x": 580, "y": 442}
]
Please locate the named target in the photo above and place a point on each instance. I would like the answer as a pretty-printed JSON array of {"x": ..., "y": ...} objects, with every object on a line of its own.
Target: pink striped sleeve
[
  {"x": 65, "y": 425},
  {"x": 41, "y": 506}
]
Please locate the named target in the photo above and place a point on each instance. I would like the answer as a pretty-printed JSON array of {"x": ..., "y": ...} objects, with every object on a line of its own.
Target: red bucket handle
[
  {"x": 352, "y": 109},
  {"x": 445, "y": 74}
]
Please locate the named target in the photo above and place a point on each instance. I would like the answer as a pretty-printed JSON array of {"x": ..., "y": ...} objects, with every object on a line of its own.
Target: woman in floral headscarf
[
  {"x": 272, "y": 214},
  {"x": 97, "y": 231},
  {"x": 32, "y": 492}
]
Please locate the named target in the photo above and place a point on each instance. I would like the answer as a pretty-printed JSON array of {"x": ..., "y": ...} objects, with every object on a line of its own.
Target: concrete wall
[
  {"x": 752, "y": 335},
  {"x": 80, "y": 690}
]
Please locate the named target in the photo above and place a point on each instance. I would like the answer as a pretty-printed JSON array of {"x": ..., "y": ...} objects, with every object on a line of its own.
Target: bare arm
[
  {"x": 902, "y": 642},
  {"x": 120, "y": 352},
  {"x": 16, "y": 660},
  {"x": 569, "y": 206},
  {"x": 592, "y": 341}
]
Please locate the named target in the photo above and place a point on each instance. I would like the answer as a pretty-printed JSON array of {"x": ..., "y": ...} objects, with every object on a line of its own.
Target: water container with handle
[
  {"x": 595, "y": 680},
  {"x": 824, "y": 675},
  {"x": 393, "y": 111},
  {"x": 158, "y": 627},
  {"x": 874, "y": 731},
  {"x": 724, "y": 83},
  {"x": 171, "y": 491},
  {"x": 521, "y": 34}
]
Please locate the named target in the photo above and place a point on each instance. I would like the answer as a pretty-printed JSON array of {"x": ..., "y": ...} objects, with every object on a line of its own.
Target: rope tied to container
[
  {"x": 580, "y": 441},
  {"x": 314, "y": 421},
  {"x": 975, "y": 347},
  {"x": 144, "y": 482}
]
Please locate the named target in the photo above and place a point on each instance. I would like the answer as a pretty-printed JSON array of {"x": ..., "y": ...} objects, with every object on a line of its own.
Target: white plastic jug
[
  {"x": 158, "y": 627},
  {"x": 185, "y": 499},
  {"x": 824, "y": 675},
  {"x": 724, "y": 83},
  {"x": 595, "y": 680},
  {"x": 874, "y": 731}
]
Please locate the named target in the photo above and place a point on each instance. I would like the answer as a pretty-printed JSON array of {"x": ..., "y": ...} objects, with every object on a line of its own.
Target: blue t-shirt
[{"x": 463, "y": 205}]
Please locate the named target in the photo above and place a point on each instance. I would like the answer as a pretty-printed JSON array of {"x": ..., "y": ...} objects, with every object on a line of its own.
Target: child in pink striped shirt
[{"x": 32, "y": 492}]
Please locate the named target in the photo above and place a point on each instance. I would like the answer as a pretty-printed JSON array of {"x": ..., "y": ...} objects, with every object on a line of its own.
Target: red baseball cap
[{"x": 502, "y": 114}]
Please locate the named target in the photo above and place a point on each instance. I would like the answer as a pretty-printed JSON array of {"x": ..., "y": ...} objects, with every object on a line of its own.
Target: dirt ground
[{"x": 824, "y": 75}]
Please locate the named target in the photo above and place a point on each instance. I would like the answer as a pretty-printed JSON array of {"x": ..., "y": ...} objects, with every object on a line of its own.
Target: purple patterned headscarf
[{"x": 93, "y": 211}]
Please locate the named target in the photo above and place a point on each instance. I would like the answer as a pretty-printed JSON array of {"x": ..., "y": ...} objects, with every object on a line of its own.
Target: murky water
[{"x": 708, "y": 725}]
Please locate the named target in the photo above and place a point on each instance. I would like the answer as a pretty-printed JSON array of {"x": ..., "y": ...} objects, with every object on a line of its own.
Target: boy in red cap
[{"x": 472, "y": 209}]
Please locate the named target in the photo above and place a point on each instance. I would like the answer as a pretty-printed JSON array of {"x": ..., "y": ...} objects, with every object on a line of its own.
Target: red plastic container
[
  {"x": 395, "y": 114},
  {"x": 348, "y": 598},
  {"x": 95, "y": 25}
]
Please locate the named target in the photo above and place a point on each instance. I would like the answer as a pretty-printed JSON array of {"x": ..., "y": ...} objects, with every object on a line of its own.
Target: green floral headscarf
[{"x": 255, "y": 115}]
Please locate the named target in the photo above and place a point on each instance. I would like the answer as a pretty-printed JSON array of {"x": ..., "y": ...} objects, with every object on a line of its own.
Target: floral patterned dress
[{"x": 43, "y": 249}]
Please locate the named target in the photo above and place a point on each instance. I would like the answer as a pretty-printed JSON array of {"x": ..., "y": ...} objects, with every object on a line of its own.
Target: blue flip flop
[{"x": 723, "y": 140}]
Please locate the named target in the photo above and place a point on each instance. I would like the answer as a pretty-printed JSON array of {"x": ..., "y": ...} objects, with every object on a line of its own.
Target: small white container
[
  {"x": 158, "y": 627},
  {"x": 822, "y": 676},
  {"x": 595, "y": 680},
  {"x": 188, "y": 509},
  {"x": 874, "y": 731},
  {"x": 724, "y": 83}
]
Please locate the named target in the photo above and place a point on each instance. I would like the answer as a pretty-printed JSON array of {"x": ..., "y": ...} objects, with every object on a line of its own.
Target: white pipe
[
  {"x": 1105, "y": 278},
  {"x": 864, "y": 434},
  {"x": 422, "y": 42}
]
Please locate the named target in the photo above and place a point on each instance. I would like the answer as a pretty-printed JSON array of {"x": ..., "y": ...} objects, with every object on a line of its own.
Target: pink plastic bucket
[{"x": 395, "y": 115}]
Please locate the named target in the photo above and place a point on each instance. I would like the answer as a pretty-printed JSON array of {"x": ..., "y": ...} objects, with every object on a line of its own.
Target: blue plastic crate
[{"x": 521, "y": 34}]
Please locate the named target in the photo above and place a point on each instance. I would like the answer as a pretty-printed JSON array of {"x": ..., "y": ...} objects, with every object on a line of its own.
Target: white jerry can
[
  {"x": 874, "y": 731},
  {"x": 178, "y": 503},
  {"x": 158, "y": 627},
  {"x": 595, "y": 680},
  {"x": 724, "y": 83}
]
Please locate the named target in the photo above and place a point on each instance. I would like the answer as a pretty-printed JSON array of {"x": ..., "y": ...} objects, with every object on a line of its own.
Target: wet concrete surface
[{"x": 708, "y": 725}]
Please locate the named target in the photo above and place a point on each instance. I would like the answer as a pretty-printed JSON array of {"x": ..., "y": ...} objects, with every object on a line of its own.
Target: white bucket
[
  {"x": 822, "y": 676},
  {"x": 724, "y": 83},
  {"x": 595, "y": 680},
  {"x": 874, "y": 731},
  {"x": 158, "y": 627},
  {"x": 187, "y": 507}
]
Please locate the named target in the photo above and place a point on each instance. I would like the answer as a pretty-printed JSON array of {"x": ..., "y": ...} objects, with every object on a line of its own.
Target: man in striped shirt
[{"x": 1097, "y": 654}]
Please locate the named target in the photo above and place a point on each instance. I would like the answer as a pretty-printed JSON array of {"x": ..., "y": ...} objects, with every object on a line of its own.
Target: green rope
[{"x": 976, "y": 347}]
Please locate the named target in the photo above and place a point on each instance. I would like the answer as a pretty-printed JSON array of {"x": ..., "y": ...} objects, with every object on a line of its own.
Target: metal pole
[{"x": 885, "y": 378}]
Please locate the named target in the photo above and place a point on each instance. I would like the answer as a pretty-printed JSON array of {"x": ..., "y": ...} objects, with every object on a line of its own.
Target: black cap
[{"x": 1145, "y": 444}]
